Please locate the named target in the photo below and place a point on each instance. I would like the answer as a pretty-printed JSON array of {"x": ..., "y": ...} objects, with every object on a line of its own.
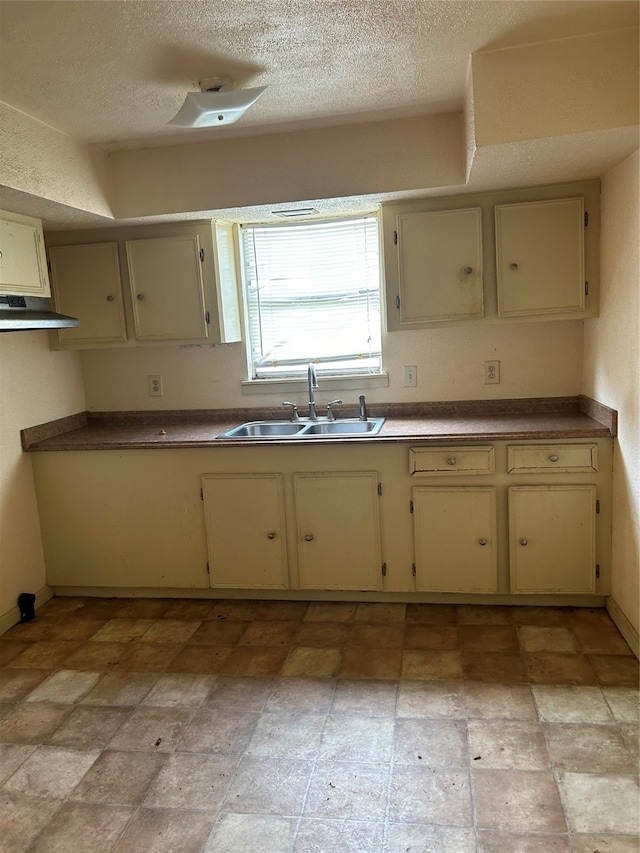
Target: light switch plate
[{"x": 410, "y": 376}]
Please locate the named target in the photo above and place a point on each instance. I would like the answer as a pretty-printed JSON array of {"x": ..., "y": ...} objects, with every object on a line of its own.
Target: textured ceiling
[{"x": 113, "y": 73}]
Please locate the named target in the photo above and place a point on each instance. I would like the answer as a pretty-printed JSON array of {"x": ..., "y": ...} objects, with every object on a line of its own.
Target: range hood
[{"x": 26, "y": 313}]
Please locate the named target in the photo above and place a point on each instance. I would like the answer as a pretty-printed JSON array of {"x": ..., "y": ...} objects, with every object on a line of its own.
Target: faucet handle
[
  {"x": 294, "y": 411},
  {"x": 330, "y": 406}
]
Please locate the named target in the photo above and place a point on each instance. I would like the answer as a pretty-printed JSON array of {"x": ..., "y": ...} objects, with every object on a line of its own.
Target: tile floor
[{"x": 148, "y": 726}]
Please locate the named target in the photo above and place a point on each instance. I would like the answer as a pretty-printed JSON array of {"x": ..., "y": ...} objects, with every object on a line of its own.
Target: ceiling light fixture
[{"x": 217, "y": 102}]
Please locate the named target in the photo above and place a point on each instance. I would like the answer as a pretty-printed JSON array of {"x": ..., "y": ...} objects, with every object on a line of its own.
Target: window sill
[{"x": 327, "y": 383}]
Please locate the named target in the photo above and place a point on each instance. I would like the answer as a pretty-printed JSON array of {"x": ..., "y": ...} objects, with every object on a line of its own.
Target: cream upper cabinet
[
  {"x": 87, "y": 285},
  {"x": 455, "y": 531},
  {"x": 23, "y": 264},
  {"x": 540, "y": 257},
  {"x": 338, "y": 530},
  {"x": 166, "y": 288},
  {"x": 552, "y": 538},
  {"x": 246, "y": 530},
  {"x": 155, "y": 285},
  {"x": 507, "y": 256},
  {"x": 439, "y": 267}
]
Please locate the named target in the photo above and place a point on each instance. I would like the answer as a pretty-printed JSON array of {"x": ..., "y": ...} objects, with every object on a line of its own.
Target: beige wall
[
  {"x": 36, "y": 385},
  {"x": 612, "y": 370},
  {"x": 536, "y": 359}
]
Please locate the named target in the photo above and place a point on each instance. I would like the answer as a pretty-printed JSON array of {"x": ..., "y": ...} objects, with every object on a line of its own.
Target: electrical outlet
[
  {"x": 410, "y": 376},
  {"x": 491, "y": 372},
  {"x": 155, "y": 386}
]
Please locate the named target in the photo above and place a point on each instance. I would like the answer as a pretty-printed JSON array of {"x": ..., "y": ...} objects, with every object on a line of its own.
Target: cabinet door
[
  {"x": 23, "y": 266},
  {"x": 338, "y": 530},
  {"x": 245, "y": 525},
  {"x": 540, "y": 257},
  {"x": 552, "y": 538},
  {"x": 440, "y": 265},
  {"x": 87, "y": 285},
  {"x": 166, "y": 288},
  {"x": 455, "y": 538}
]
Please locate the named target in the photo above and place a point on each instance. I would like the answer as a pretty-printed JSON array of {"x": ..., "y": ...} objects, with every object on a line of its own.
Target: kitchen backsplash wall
[{"x": 536, "y": 360}]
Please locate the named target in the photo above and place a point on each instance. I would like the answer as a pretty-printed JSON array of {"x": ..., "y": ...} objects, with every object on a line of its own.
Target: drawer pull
[
  {"x": 110, "y": 298},
  {"x": 308, "y": 537},
  {"x": 271, "y": 535},
  {"x": 482, "y": 541},
  {"x": 451, "y": 460},
  {"x": 468, "y": 270},
  {"x": 523, "y": 541},
  {"x": 513, "y": 266},
  {"x": 553, "y": 458}
]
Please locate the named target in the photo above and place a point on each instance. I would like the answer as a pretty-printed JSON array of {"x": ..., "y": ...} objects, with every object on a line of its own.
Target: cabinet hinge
[
  {"x": 395, "y": 238},
  {"x": 597, "y": 507},
  {"x": 201, "y": 494},
  {"x": 411, "y": 507},
  {"x": 207, "y": 318},
  {"x": 202, "y": 254},
  {"x": 586, "y": 218},
  {"x": 379, "y": 488},
  {"x": 413, "y": 569},
  {"x": 586, "y": 288},
  {"x": 384, "y": 570},
  {"x": 398, "y": 302},
  {"x": 49, "y": 266},
  {"x": 597, "y": 570},
  {"x": 208, "y": 569}
]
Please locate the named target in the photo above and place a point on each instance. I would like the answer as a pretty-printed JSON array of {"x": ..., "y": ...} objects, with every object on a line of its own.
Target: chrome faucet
[
  {"x": 312, "y": 381},
  {"x": 363, "y": 408}
]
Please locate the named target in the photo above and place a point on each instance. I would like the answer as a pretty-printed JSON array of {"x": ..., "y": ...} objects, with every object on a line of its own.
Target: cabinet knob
[
  {"x": 271, "y": 535},
  {"x": 553, "y": 458},
  {"x": 451, "y": 460},
  {"x": 523, "y": 541},
  {"x": 482, "y": 541},
  {"x": 468, "y": 270},
  {"x": 110, "y": 297},
  {"x": 140, "y": 296},
  {"x": 308, "y": 537},
  {"x": 513, "y": 266}
]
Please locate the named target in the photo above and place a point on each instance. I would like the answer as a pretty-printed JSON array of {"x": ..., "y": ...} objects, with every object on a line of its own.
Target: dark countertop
[{"x": 468, "y": 420}]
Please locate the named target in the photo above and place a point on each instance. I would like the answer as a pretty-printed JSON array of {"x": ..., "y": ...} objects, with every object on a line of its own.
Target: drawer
[
  {"x": 451, "y": 460},
  {"x": 545, "y": 458}
]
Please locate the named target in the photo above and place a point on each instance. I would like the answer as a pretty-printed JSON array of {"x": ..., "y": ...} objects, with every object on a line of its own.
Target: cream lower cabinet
[
  {"x": 552, "y": 538},
  {"x": 455, "y": 531},
  {"x": 338, "y": 530},
  {"x": 246, "y": 530}
]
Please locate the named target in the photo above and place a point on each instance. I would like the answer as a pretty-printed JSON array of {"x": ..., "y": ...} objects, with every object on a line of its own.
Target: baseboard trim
[
  {"x": 624, "y": 625},
  {"x": 12, "y": 617},
  {"x": 212, "y": 593}
]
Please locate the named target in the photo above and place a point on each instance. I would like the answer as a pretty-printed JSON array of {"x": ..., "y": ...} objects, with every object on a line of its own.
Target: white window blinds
[{"x": 312, "y": 294}]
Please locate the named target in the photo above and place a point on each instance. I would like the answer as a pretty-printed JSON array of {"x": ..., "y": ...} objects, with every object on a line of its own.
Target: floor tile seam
[
  {"x": 303, "y": 804},
  {"x": 557, "y": 770},
  {"x": 387, "y": 810},
  {"x": 472, "y": 794},
  {"x": 35, "y": 839}
]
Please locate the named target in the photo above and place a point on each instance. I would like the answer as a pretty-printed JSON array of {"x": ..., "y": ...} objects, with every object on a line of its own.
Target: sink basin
[
  {"x": 264, "y": 429},
  {"x": 305, "y": 429},
  {"x": 345, "y": 427}
]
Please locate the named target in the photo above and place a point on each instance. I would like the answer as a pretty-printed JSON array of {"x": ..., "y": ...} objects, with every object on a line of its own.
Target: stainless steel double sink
[{"x": 338, "y": 428}]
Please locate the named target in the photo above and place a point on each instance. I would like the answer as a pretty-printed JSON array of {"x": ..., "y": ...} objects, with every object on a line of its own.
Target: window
[{"x": 312, "y": 294}]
